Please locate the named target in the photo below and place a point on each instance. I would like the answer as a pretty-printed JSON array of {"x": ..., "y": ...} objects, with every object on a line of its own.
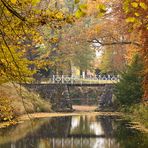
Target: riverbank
[
  {"x": 16, "y": 100},
  {"x": 134, "y": 122},
  {"x": 32, "y": 116},
  {"x": 23, "y": 118},
  {"x": 137, "y": 114}
]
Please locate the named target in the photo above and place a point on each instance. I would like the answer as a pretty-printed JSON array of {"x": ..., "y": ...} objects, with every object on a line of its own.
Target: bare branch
[{"x": 115, "y": 43}]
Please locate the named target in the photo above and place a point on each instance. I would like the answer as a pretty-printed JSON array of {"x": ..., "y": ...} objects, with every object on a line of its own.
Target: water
[{"x": 73, "y": 132}]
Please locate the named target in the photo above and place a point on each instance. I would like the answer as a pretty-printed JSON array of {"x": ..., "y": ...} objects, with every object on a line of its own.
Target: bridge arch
[{"x": 62, "y": 96}]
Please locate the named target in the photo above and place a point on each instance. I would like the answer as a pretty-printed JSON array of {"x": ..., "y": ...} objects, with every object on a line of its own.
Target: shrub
[
  {"x": 129, "y": 90},
  {"x": 140, "y": 113}
]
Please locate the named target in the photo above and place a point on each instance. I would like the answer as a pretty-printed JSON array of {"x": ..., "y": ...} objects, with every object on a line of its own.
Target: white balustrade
[{"x": 97, "y": 79}]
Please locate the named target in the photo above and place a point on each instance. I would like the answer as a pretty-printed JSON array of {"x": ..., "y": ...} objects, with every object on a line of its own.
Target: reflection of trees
[
  {"x": 19, "y": 131},
  {"x": 56, "y": 127},
  {"x": 83, "y": 127},
  {"x": 59, "y": 127},
  {"x": 130, "y": 138},
  {"x": 53, "y": 131},
  {"x": 26, "y": 135},
  {"x": 106, "y": 124}
]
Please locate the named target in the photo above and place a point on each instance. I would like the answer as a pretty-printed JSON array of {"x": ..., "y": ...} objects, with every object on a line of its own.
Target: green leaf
[
  {"x": 130, "y": 19},
  {"x": 134, "y": 4},
  {"x": 143, "y": 5}
]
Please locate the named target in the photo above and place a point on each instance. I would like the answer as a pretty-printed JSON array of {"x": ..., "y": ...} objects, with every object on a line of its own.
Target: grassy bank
[
  {"x": 137, "y": 113},
  {"x": 16, "y": 100}
]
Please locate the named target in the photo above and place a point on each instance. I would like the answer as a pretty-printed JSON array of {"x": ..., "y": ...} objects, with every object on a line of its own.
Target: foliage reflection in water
[{"x": 73, "y": 132}]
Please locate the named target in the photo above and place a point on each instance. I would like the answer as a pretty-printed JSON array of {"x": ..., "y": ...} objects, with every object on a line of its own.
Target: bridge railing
[{"x": 97, "y": 79}]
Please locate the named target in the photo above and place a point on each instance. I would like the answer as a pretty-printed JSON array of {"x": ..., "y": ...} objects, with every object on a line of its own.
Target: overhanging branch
[
  {"x": 115, "y": 43},
  {"x": 12, "y": 11}
]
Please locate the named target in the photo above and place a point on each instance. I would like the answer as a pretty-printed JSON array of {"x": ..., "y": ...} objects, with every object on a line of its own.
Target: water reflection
[
  {"x": 73, "y": 132},
  {"x": 85, "y": 126}
]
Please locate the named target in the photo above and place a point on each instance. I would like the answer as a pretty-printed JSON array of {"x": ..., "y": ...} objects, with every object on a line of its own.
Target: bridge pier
[
  {"x": 57, "y": 95},
  {"x": 106, "y": 99}
]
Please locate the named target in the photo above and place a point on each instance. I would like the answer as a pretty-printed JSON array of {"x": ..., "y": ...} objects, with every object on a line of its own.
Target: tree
[
  {"x": 136, "y": 16},
  {"x": 112, "y": 59},
  {"x": 20, "y": 23},
  {"x": 129, "y": 90},
  {"x": 83, "y": 58}
]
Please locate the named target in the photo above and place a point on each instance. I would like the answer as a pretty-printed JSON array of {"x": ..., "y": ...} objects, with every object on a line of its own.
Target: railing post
[
  {"x": 90, "y": 79},
  {"x": 71, "y": 79},
  {"x": 118, "y": 78},
  {"x": 53, "y": 79},
  {"x": 62, "y": 79},
  {"x": 83, "y": 75},
  {"x": 81, "y": 79}
]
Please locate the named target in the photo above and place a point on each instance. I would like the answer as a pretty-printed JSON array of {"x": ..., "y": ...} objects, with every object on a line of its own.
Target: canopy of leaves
[
  {"x": 37, "y": 31},
  {"x": 20, "y": 23}
]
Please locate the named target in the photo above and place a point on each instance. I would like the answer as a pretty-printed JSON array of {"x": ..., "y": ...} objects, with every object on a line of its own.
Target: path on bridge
[{"x": 84, "y": 108}]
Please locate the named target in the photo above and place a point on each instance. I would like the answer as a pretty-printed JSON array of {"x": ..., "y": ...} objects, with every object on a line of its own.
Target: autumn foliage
[
  {"x": 56, "y": 35},
  {"x": 6, "y": 111},
  {"x": 137, "y": 17}
]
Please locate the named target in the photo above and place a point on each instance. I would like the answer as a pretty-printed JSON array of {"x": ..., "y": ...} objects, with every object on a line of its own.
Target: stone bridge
[{"x": 63, "y": 96}]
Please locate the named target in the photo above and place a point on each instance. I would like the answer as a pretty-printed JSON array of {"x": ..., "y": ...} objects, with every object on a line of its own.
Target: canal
[{"x": 79, "y": 131}]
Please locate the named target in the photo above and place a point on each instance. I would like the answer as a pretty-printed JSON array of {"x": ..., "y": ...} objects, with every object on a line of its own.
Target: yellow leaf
[
  {"x": 143, "y": 5},
  {"x": 5, "y": 119},
  {"x": 100, "y": 14},
  {"x": 130, "y": 19},
  {"x": 59, "y": 15},
  {"x": 13, "y": 1},
  {"x": 102, "y": 8},
  {"x": 79, "y": 14},
  {"x": 137, "y": 14},
  {"x": 83, "y": 7},
  {"x": 34, "y": 2},
  {"x": 134, "y": 4}
]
